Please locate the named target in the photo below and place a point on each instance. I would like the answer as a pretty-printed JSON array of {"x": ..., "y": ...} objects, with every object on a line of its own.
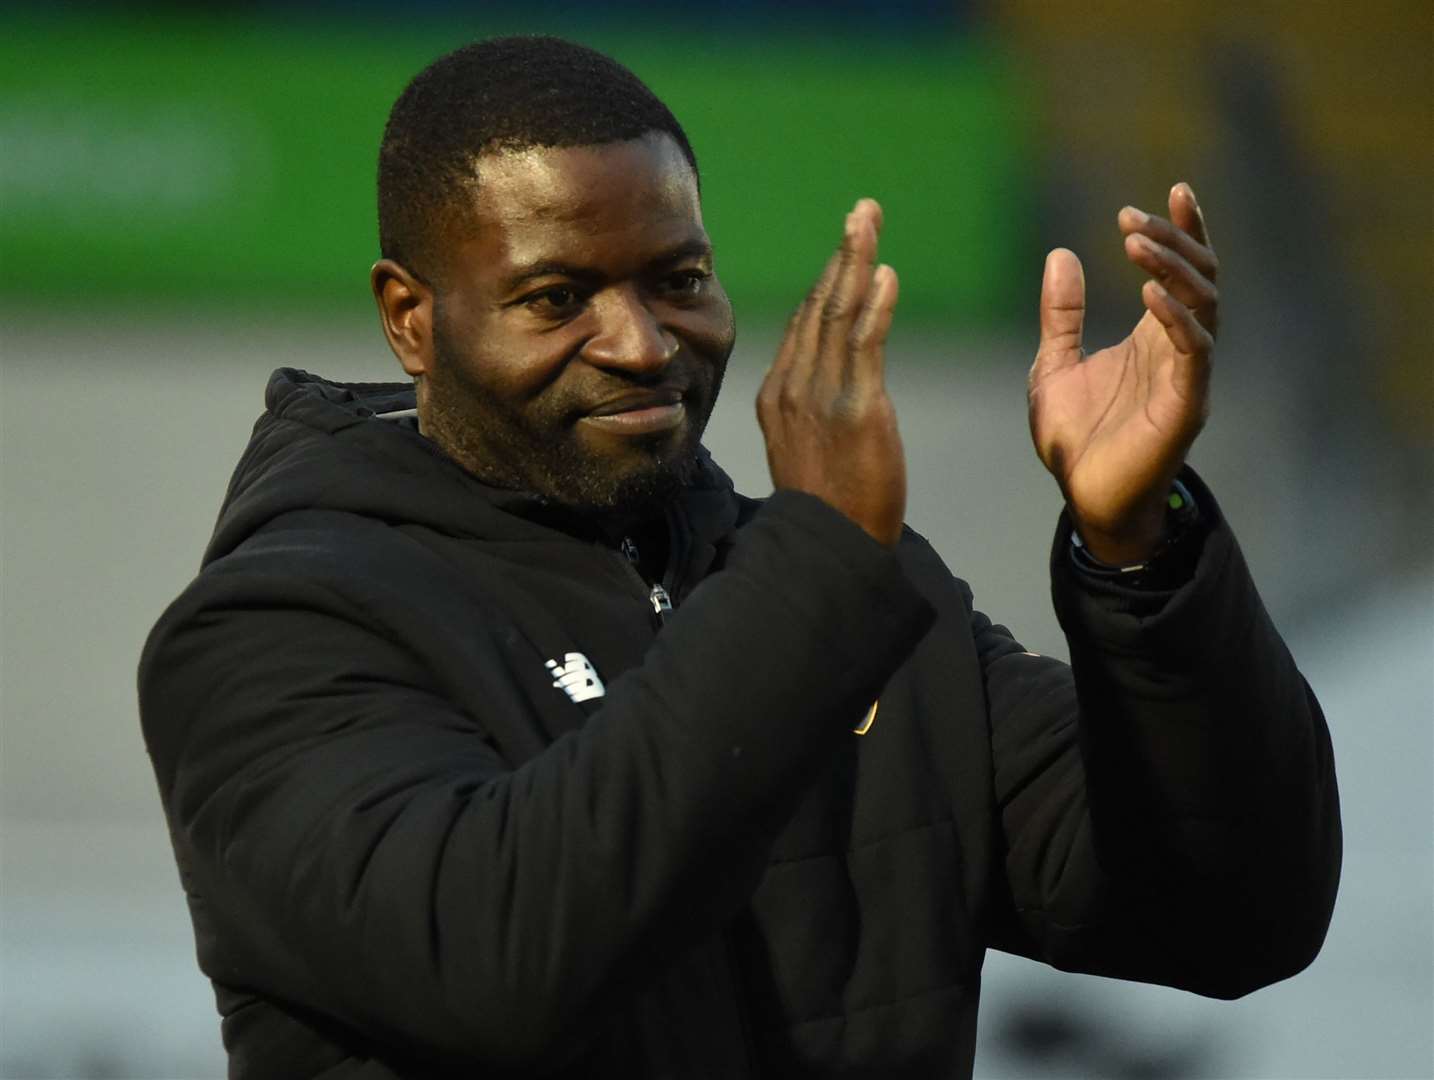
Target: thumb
[{"x": 1062, "y": 313}]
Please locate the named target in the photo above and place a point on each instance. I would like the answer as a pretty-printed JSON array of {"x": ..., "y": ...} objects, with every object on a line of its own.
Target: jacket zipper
[
  {"x": 661, "y": 603},
  {"x": 657, "y": 596}
]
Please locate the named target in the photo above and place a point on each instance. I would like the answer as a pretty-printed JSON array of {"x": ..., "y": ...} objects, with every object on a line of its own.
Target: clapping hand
[
  {"x": 1113, "y": 427},
  {"x": 829, "y": 425}
]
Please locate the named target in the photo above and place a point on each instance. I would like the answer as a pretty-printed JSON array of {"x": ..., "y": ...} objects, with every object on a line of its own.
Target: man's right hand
[{"x": 829, "y": 425}]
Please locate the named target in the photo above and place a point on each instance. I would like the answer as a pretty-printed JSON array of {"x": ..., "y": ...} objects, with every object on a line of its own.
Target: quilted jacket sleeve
[
  {"x": 1169, "y": 813},
  {"x": 354, "y": 847}
]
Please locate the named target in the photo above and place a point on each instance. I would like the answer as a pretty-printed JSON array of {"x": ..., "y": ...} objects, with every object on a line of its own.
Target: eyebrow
[{"x": 700, "y": 249}]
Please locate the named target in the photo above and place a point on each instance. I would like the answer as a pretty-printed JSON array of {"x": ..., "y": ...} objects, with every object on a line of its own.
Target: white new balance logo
[{"x": 576, "y": 677}]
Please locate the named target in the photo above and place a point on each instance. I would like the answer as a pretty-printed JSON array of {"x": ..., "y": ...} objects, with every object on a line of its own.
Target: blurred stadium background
[{"x": 186, "y": 201}]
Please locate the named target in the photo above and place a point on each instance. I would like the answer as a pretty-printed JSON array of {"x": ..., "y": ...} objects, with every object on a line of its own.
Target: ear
[{"x": 405, "y": 308}]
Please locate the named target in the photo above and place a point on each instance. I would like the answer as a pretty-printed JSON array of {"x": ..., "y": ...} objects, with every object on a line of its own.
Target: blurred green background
[{"x": 230, "y": 159}]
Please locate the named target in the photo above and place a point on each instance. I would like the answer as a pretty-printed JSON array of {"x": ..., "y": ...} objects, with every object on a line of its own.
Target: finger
[
  {"x": 1181, "y": 327},
  {"x": 807, "y": 339},
  {"x": 1185, "y": 212},
  {"x": 1176, "y": 275},
  {"x": 776, "y": 375},
  {"x": 850, "y": 287},
  {"x": 787, "y": 349},
  {"x": 868, "y": 335},
  {"x": 791, "y": 370},
  {"x": 1062, "y": 314},
  {"x": 789, "y": 366},
  {"x": 802, "y": 330},
  {"x": 1133, "y": 220}
]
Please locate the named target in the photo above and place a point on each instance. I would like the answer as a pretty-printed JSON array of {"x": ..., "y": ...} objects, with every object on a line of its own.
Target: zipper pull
[{"x": 657, "y": 596}]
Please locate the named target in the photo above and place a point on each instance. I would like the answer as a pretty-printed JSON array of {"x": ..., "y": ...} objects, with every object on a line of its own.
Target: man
[{"x": 499, "y": 737}]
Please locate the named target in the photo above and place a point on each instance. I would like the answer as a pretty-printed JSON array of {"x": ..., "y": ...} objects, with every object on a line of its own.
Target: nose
[{"x": 628, "y": 336}]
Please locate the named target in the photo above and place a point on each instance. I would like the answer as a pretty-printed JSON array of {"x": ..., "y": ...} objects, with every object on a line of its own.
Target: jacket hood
[{"x": 355, "y": 447}]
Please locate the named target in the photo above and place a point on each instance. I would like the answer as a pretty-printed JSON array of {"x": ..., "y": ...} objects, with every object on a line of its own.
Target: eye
[
  {"x": 684, "y": 283},
  {"x": 555, "y": 300}
]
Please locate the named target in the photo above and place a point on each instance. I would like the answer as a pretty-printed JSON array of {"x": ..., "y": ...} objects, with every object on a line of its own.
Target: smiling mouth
[{"x": 645, "y": 413}]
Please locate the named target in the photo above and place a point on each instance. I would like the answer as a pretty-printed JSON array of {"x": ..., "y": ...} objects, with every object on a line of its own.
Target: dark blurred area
[{"x": 187, "y": 200}]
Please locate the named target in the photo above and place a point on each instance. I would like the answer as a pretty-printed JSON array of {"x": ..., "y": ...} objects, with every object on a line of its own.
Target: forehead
[{"x": 583, "y": 203}]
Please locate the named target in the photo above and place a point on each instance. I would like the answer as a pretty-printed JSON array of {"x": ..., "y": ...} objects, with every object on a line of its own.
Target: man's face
[{"x": 581, "y": 335}]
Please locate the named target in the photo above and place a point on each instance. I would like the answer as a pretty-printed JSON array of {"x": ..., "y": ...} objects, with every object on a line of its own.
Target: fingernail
[
  {"x": 1140, "y": 216},
  {"x": 1189, "y": 194}
]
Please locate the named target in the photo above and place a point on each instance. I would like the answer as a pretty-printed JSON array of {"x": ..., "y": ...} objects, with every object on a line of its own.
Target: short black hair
[{"x": 507, "y": 93}]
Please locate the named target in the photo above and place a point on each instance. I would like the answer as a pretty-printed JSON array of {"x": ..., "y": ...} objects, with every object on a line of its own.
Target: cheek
[
  {"x": 727, "y": 319},
  {"x": 712, "y": 328},
  {"x": 498, "y": 361}
]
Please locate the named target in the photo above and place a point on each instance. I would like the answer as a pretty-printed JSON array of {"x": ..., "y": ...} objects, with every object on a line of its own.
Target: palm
[
  {"x": 1117, "y": 423},
  {"x": 1113, "y": 427}
]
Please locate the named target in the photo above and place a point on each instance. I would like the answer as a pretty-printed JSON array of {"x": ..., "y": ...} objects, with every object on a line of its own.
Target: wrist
[
  {"x": 1180, "y": 515},
  {"x": 1135, "y": 542}
]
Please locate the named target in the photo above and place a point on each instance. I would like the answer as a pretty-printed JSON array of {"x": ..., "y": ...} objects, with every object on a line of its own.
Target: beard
[{"x": 535, "y": 445}]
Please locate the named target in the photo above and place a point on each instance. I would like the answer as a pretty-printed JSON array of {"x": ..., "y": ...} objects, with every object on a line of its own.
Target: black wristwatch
[{"x": 1168, "y": 566}]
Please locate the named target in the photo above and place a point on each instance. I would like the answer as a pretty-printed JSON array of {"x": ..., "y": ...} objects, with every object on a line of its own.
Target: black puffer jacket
[{"x": 409, "y": 851}]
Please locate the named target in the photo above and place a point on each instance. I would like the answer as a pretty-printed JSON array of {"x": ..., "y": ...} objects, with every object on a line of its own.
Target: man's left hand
[{"x": 1114, "y": 427}]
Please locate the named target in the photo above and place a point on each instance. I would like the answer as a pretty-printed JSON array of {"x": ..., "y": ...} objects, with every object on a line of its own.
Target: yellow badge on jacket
[{"x": 865, "y": 726}]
